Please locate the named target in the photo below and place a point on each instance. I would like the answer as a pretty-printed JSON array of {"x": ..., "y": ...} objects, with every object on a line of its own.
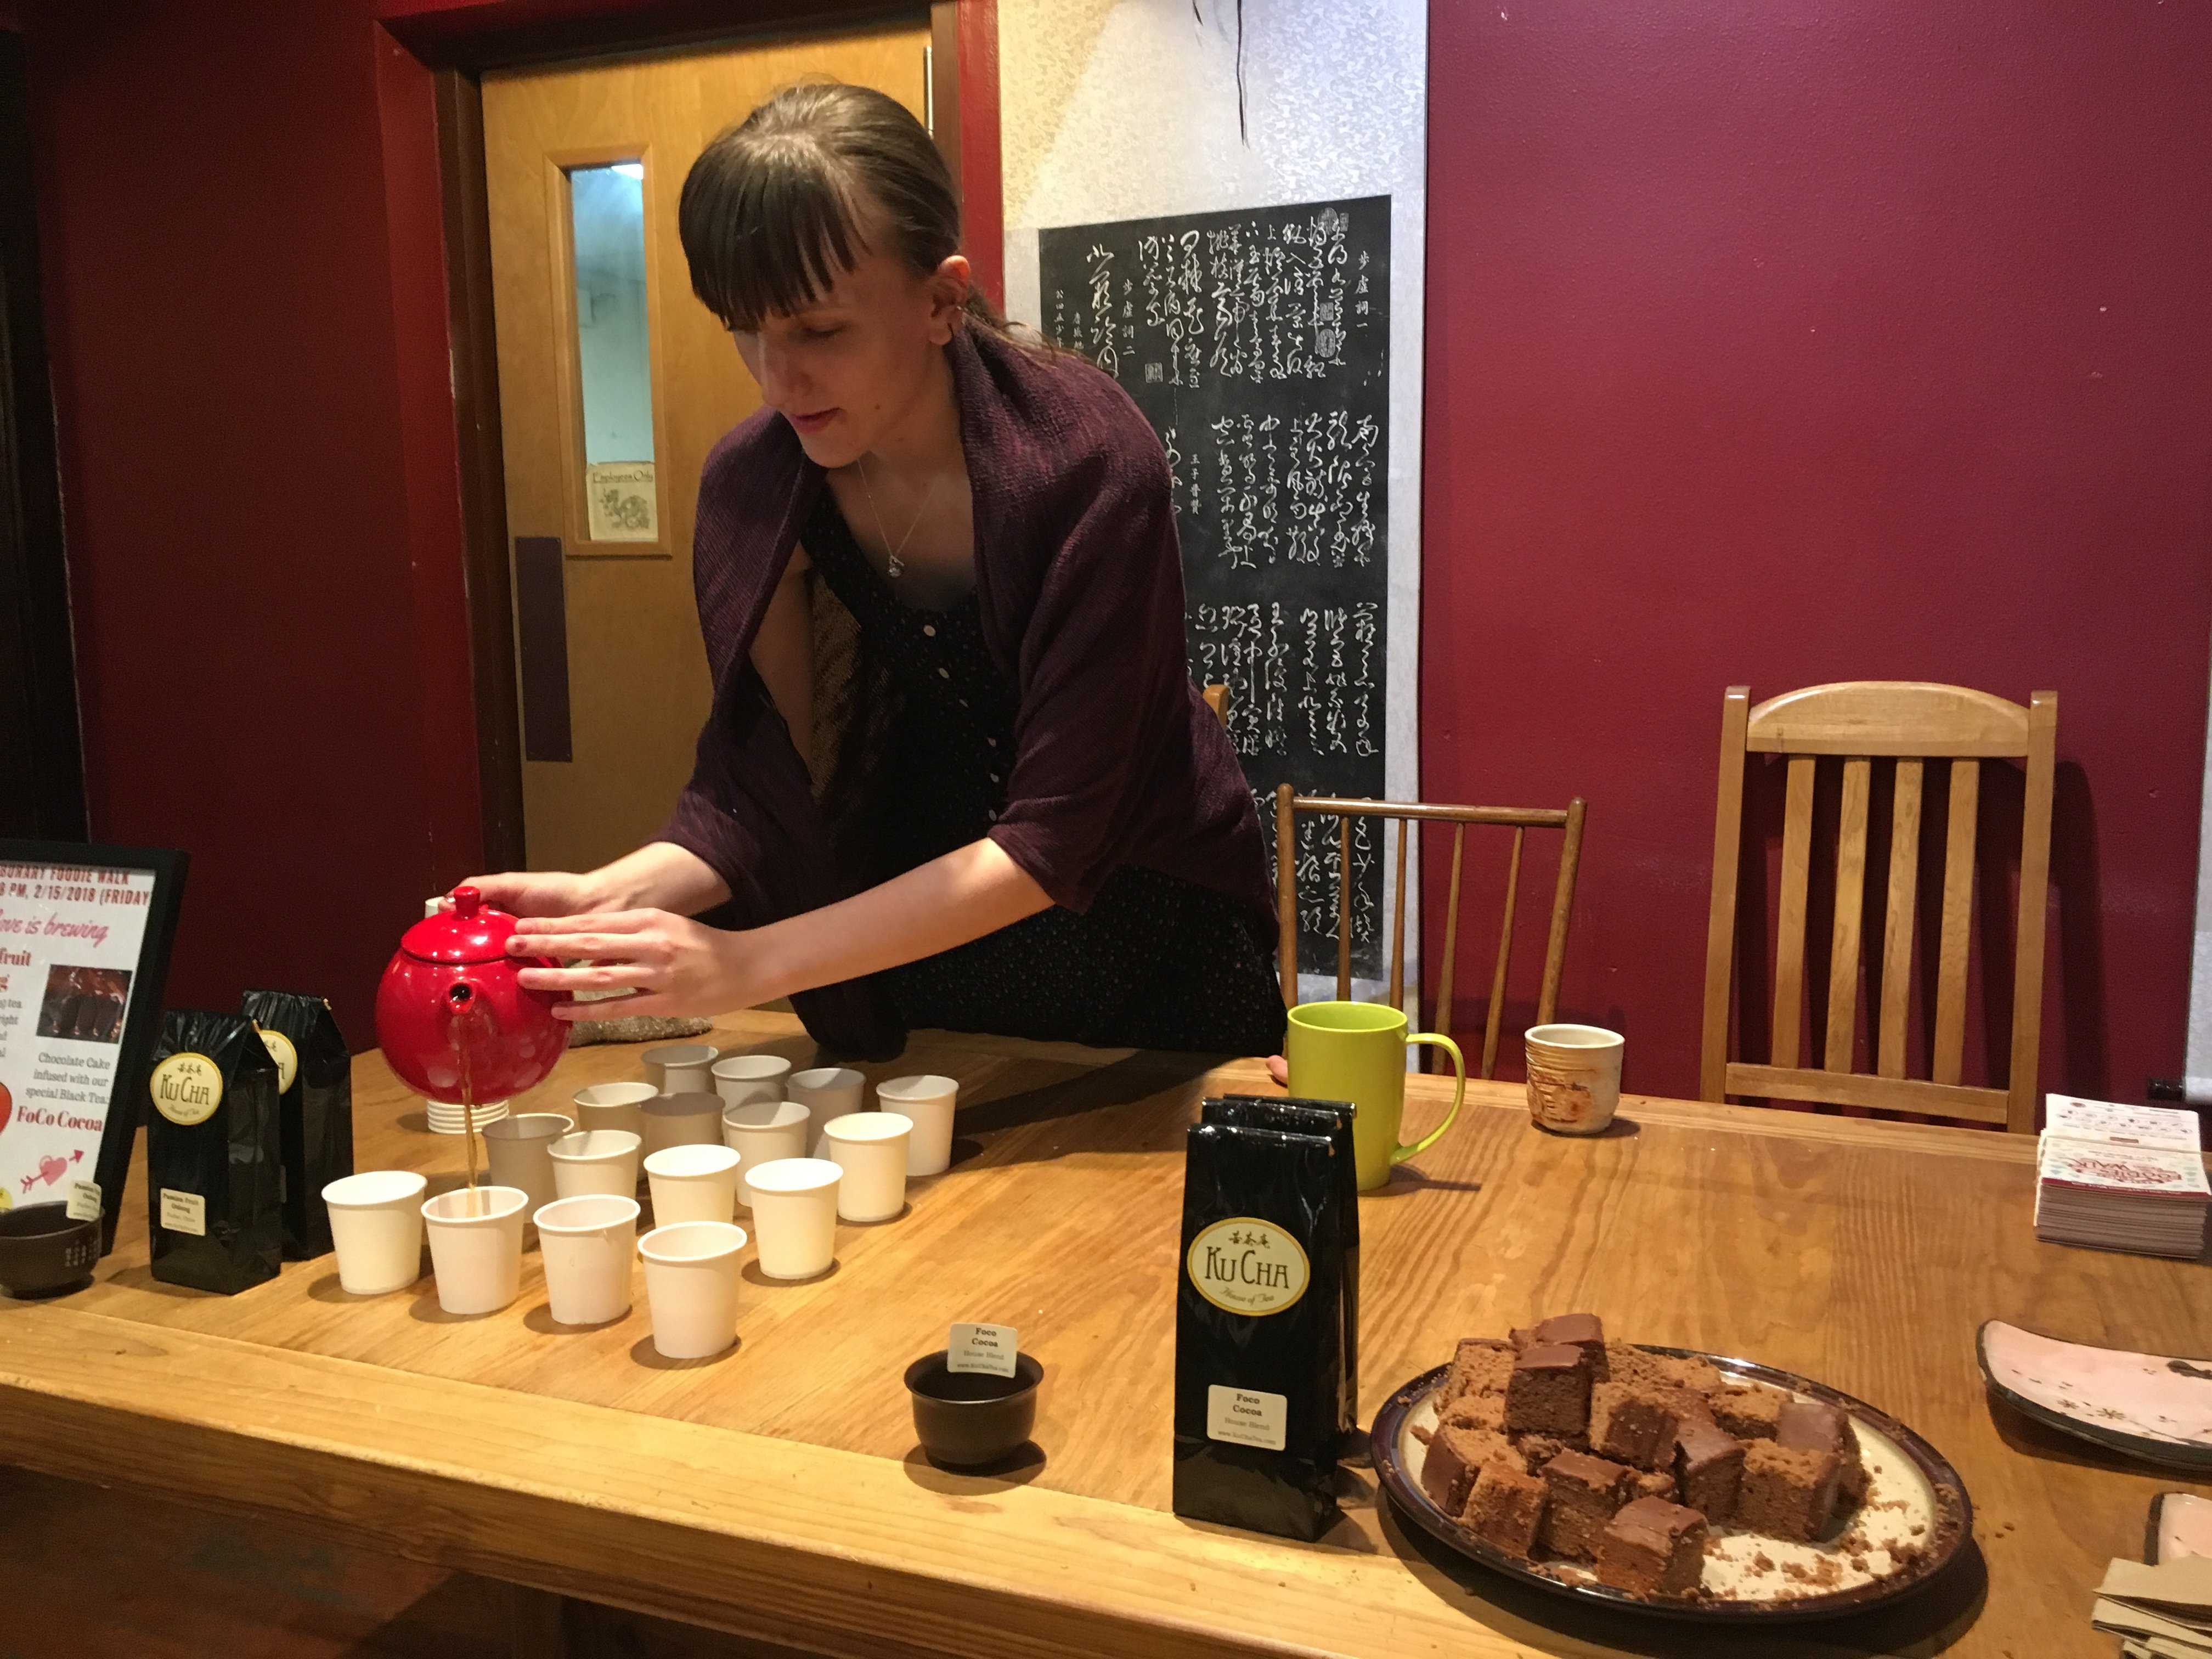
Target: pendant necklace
[{"x": 897, "y": 566}]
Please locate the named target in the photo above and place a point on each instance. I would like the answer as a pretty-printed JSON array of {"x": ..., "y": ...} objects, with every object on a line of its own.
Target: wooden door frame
[
  {"x": 41, "y": 775},
  {"x": 432, "y": 56}
]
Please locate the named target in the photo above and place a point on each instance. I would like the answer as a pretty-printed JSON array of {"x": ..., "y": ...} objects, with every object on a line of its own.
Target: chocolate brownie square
[
  {"x": 1481, "y": 1366},
  {"x": 1456, "y": 1457},
  {"x": 1687, "y": 1371},
  {"x": 1576, "y": 1330},
  {"x": 1749, "y": 1411},
  {"x": 1655, "y": 1483},
  {"x": 1582, "y": 1493},
  {"x": 1506, "y": 1507},
  {"x": 1787, "y": 1493},
  {"x": 1549, "y": 1391},
  {"x": 1541, "y": 1448},
  {"x": 1815, "y": 1425},
  {"x": 1709, "y": 1467},
  {"x": 1633, "y": 1424},
  {"x": 1653, "y": 1548}
]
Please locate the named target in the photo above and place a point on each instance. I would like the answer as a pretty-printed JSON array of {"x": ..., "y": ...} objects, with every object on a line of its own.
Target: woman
[{"x": 955, "y": 772}]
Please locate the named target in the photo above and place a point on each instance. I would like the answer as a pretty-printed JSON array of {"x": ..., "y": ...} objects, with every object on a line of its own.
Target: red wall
[{"x": 1836, "y": 341}]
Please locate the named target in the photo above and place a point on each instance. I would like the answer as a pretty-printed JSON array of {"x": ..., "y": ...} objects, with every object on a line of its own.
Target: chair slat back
[
  {"x": 1570, "y": 820},
  {"x": 1900, "y": 725}
]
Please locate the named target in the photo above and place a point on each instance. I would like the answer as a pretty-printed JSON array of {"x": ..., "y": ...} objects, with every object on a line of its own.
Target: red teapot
[{"x": 453, "y": 1021}]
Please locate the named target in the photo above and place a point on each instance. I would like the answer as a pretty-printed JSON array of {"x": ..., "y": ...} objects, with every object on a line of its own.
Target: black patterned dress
[{"x": 1156, "y": 963}]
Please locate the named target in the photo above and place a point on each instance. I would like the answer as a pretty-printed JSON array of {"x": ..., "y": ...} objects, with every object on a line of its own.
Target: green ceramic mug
[{"x": 1356, "y": 1051}]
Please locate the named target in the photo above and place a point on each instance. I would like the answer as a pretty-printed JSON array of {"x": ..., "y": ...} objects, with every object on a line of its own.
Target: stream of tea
[{"x": 468, "y": 1114}]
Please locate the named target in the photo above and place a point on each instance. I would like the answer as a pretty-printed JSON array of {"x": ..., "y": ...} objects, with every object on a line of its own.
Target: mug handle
[{"x": 1399, "y": 1154}]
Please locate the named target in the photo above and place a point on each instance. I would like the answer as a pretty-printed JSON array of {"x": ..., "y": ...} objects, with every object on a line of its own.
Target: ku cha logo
[{"x": 1247, "y": 1266}]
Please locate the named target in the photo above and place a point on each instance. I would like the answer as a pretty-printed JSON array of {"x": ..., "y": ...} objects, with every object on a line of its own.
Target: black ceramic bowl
[
  {"x": 968, "y": 1417},
  {"x": 44, "y": 1253}
]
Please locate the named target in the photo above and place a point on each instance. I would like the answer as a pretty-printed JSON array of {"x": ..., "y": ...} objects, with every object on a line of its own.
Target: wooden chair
[
  {"x": 1217, "y": 699},
  {"x": 1906, "y": 724},
  {"x": 1289, "y": 804}
]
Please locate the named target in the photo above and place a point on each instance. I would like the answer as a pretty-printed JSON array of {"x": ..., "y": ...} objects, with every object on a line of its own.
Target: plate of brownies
[{"x": 1677, "y": 1483}]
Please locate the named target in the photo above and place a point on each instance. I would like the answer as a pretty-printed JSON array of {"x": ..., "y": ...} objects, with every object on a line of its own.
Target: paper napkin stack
[
  {"x": 2163, "y": 1611},
  {"x": 2121, "y": 1178}
]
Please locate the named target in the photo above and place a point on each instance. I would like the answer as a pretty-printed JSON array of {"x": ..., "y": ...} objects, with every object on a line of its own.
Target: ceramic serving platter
[
  {"x": 1915, "y": 1519},
  {"x": 2154, "y": 1406},
  {"x": 2180, "y": 1526}
]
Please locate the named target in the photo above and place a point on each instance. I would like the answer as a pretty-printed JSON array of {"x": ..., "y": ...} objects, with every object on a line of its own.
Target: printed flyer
[{"x": 70, "y": 944}]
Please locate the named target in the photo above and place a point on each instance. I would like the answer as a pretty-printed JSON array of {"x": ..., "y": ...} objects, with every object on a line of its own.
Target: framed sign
[{"x": 85, "y": 935}]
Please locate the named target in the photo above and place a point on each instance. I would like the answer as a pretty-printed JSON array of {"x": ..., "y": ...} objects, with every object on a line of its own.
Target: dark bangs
[{"x": 769, "y": 223}]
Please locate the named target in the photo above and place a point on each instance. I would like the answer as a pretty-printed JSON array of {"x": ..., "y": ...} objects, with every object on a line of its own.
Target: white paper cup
[
  {"x": 691, "y": 1286},
  {"x": 678, "y": 1068},
  {"x": 515, "y": 1147},
  {"x": 795, "y": 1215},
  {"x": 687, "y": 1120},
  {"x": 588, "y": 1245},
  {"x": 476, "y": 1247},
  {"x": 741, "y": 1078},
  {"x": 376, "y": 1223},
  {"x": 692, "y": 1183},
  {"x": 928, "y": 1101},
  {"x": 826, "y": 1092},
  {"x": 613, "y": 1106},
  {"x": 1574, "y": 1077},
  {"x": 595, "y": 1161},
  {"x": 447, "y": 1117},
  {"x": 761, "y": 1132},
  {"x": 870, "y": 1147}
]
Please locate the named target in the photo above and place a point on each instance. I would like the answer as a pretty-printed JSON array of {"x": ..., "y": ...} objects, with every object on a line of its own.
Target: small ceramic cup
[
  {"x": 692, "y": 1183},
  {"x": 691, "y": 1286},
  {"x": 476, "y": 1247},
  {"x": 1574, "y": 1078},
  {"x": 795, "y": 1215},
  {"x": 613, "y": 1106},
  {"x": 689, "y": 1119},
  {"x": 595, "y": 1161},
  {"x": 762, "y": 1131},
  {"x": 588, "y": 1246},
  {"x": 376, "y": 1225},
  {"x": 928, "y": 1101},
  {"x": 741, "y": 1078},
  {"x": 826, "y": 1092},
  {"x": 516, "y": 1149},
  {"x": 680, "y": 1068},
  {"x": 870, "y": 1147}
]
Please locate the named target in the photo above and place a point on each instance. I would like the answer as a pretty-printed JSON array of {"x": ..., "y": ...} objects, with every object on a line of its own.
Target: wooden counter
[{"x": 775, "y": 1490}]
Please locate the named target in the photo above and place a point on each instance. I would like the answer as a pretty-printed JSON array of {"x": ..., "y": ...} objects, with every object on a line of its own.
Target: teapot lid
[{"x": 471, "y": 930}]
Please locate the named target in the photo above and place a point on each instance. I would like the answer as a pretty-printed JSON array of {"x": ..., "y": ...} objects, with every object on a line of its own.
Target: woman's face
[{"x": 855, "y": 366}]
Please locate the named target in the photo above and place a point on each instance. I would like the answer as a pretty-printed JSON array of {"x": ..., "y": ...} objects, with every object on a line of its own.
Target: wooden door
[{"x": 614, "y": 383}]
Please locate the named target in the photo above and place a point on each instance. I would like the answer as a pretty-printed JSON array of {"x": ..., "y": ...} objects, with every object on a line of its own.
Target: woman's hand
[
  {"x": 669, "y": 963},
  {"x": 1279, "y": 1069},
  {"x": 536, "y": 892}
]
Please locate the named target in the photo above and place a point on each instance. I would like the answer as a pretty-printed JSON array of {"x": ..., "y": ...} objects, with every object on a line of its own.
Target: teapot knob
[{"x": 467, "y": 901}]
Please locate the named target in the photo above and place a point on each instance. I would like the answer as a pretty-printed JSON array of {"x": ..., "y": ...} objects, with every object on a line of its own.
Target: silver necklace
[{"x": 897, "y": 566}]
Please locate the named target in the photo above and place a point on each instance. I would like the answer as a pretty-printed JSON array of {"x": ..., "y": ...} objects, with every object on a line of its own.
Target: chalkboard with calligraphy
[{"x": 1257, "y": 342}]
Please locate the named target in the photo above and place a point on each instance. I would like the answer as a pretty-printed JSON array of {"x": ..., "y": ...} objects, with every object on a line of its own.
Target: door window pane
[{"x": 613, "y": 350}]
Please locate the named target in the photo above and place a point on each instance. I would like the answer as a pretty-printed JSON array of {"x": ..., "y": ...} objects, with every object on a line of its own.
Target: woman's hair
[{"x": 779, "y": 205}]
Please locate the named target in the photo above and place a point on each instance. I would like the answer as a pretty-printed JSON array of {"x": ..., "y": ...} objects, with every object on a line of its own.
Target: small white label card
[
  {"x": 982, "y": 1348},
  {"x": 1247, "y": 1416},
  {"x": 184, "y": 1212},
  {"x": 84, "y": 1200}
]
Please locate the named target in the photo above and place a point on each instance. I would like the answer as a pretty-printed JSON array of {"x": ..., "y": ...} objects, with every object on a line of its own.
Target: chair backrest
[
  {"x": 1217, "y": 699},
  {"x": 1520, "y": 820},
  {"x": 1856, "y": 726}
]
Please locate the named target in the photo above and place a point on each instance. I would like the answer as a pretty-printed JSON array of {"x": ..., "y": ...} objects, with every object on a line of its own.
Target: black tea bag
[
  {"x": 314, "y": 1071},
  {"x": 1259, "y": 1331},
  {"x": 1332, "y": 1118},
  {"x": 212, "y": 1154}
]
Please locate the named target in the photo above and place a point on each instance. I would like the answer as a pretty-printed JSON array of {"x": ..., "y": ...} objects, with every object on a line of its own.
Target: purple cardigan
[{"x": 1079, "y": 576}]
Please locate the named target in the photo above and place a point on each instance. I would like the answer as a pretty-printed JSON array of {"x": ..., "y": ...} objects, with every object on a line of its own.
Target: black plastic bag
[
  {"x": 1259, "y": 1331},
  {"x": 314, "y": 1112},
  {"x": 1332, "y": 1118},
  {"x": 211, "y": 1154}
]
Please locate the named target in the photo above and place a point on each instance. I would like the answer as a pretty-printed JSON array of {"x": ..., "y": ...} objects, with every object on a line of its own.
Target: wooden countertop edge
[{"x": 775, "y": 1539}]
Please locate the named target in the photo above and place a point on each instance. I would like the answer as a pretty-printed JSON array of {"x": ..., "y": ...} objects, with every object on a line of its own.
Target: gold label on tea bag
[
  {"x": 1246, "y": 1266},
  {"x": 286, "y": 1056},
  {"x": 187, "y": 1088}
]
